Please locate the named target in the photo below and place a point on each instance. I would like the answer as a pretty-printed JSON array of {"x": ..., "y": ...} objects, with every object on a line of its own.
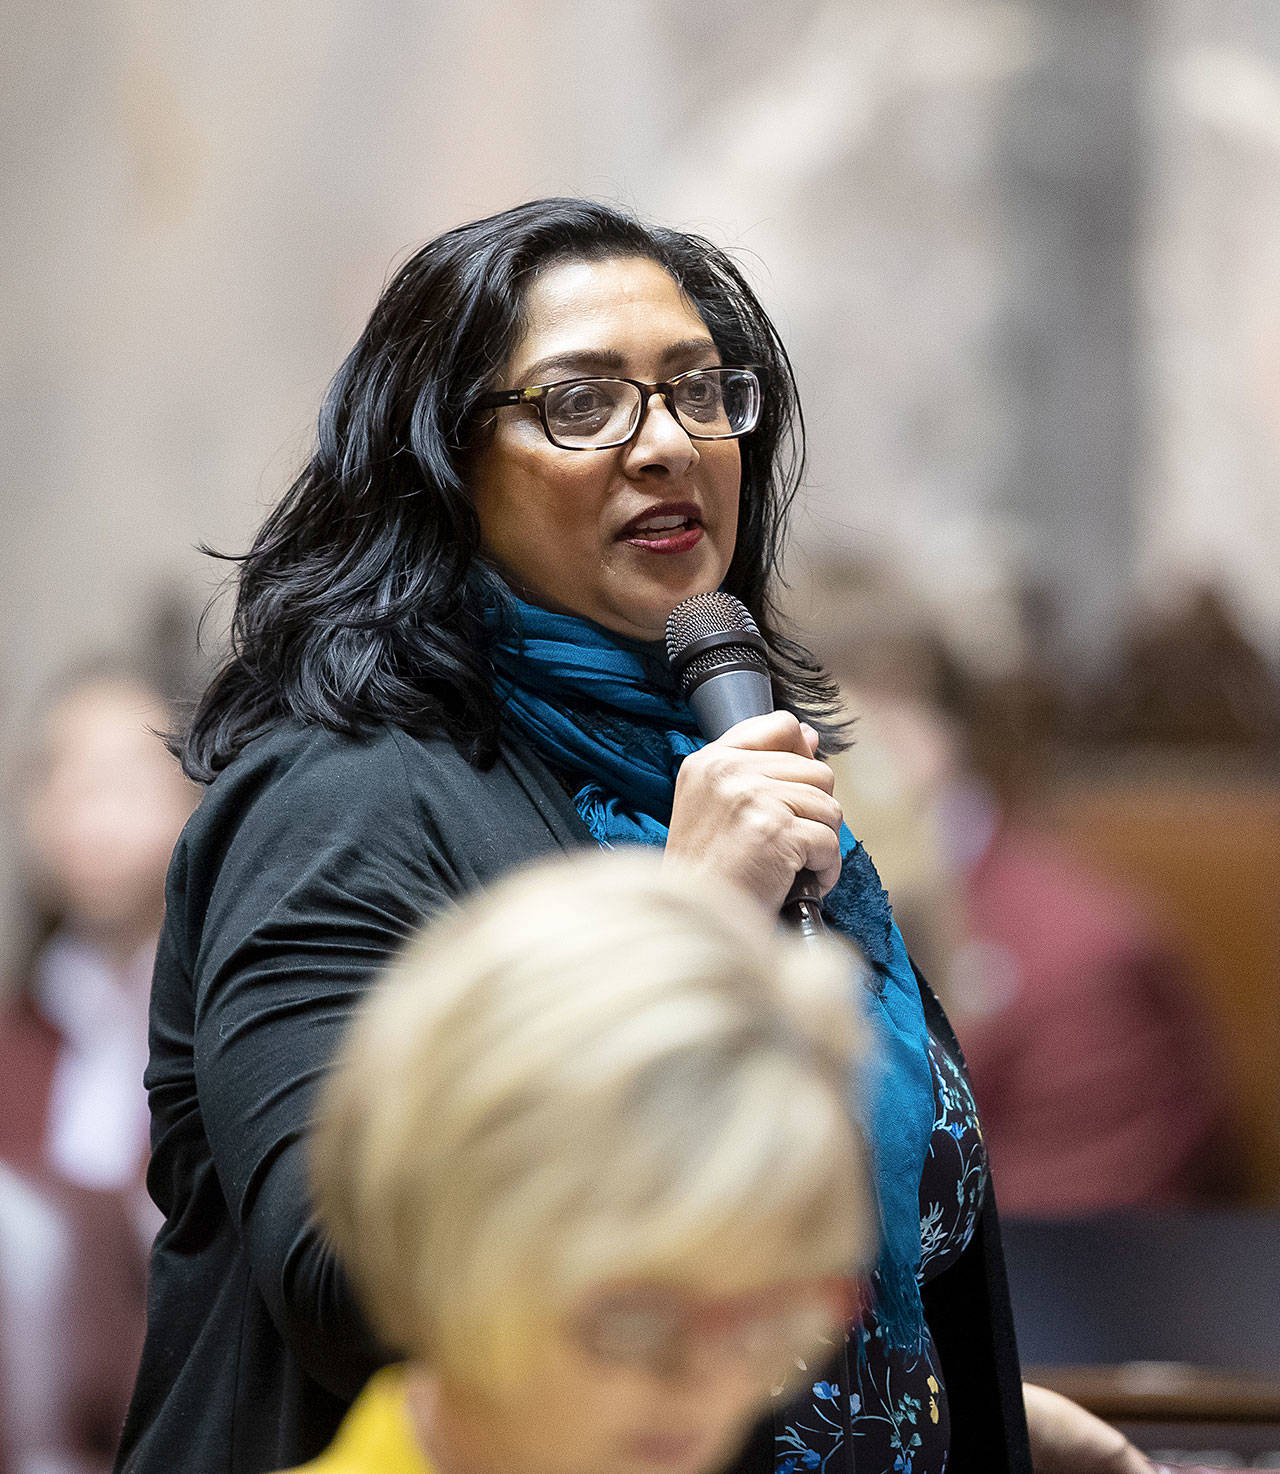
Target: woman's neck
[{"x": 451, "y": 1433}]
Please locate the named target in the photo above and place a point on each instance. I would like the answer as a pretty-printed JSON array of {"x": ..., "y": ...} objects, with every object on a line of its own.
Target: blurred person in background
[
  {"x": 1093, "y": 1059},
  {"x": 1187, "y": 677},
  {"x": 590, "y": 1159},
  {"x": 448, "y": 659},
  {"x": 39, "y": 1402},
  {"x": 98, "y": 804}
]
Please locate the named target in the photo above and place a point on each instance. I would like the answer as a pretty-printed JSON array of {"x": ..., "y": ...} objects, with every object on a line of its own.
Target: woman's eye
[
  {"x": 700, "y": 397},
  {"x": 630, "y": 1335},
  {"x": 583, "y": 403}
]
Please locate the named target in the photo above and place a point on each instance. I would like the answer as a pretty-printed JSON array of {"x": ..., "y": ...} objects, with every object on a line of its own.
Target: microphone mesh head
[
  {"x": 698, "y": 669},
  {"x": 704, "y": 615},
  {"x": 721, "y": 619}
]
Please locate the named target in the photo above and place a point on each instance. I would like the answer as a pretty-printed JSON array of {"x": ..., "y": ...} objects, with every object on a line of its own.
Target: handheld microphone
[{"x": 721, "y": 661}]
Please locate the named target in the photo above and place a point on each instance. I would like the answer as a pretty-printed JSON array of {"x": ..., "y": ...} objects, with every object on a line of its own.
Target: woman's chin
[
  {"x": 636, "y": 610},
  {"x": 644, "y": 616},
  {"x": 647, "y": 624}
]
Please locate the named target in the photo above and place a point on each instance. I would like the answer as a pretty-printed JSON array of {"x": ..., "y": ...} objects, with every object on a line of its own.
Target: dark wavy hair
[{"x": 361, "y": 600}]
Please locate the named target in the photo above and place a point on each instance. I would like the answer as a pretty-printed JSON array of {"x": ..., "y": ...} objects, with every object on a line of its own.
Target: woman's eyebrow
[
  {"x": 689, "y": 348},
  {"x": 608, "y": 360},
  {"x": 585, "y": 360}
]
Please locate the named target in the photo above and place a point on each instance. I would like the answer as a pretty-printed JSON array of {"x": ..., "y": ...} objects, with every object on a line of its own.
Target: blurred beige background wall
[{"x": 1022, "y": 251}]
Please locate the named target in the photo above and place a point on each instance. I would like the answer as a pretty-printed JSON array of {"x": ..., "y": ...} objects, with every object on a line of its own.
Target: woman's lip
[
  {"x": 690, "y": 511},
  {"x": 665, "y": 1448},
  {"x": 678, "y": 540}
]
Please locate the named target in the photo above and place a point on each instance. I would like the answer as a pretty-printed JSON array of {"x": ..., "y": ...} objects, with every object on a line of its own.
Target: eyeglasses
[
  {"x": 652, "y": 1328},
  {"x": 599, "y": 413}
]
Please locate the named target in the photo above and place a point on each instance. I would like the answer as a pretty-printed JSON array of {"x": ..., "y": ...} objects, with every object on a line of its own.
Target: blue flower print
[
  {"x": 900, "y": 1420},
  {"x": 807, "y": 1458}
]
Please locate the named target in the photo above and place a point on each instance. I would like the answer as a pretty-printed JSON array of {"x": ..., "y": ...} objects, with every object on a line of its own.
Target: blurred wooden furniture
[
  {"x": 1165, "y": 1322},
  {"x": 1203, "y": 841},
  {"x": 1166, "y": 1392},
  {"x": 1168, "y": 1407}
]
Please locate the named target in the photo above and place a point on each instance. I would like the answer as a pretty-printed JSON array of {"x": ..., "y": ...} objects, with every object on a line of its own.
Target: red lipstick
[{"x": 670, "y": 527}]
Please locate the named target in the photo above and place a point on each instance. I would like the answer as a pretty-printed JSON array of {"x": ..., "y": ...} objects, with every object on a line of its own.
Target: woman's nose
[{"x": 661, "y": 441}]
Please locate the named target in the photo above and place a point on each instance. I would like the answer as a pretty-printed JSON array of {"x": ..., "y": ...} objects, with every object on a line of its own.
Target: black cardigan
[{"x": 311, "y": 858}]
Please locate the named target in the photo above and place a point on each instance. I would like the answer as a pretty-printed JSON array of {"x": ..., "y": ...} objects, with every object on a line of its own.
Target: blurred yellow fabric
[{"x": 375, "y": 1436}]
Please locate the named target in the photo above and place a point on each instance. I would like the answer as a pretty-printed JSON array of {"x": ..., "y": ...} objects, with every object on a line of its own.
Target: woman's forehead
[{"x": 605, "y": 316}]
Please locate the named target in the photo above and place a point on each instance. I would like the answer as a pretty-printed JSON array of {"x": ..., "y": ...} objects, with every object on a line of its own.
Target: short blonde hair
[{"x": 596, "y": 1070}]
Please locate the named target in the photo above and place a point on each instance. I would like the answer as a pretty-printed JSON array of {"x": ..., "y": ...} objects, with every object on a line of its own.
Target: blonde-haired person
[{"x": 588, "y": 1157}]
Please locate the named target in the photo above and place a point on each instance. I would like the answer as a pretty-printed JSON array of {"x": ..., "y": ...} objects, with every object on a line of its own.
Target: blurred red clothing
[
  {"x": 95, "y": 1307},
  {"x": 1093, "y": 1069},
  {"x": 28, "y": 1056}
]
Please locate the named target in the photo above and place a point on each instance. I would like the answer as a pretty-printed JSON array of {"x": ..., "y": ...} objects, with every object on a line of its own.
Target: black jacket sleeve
[
  {"x": 317, "y": 880},
  {"x": 311, "y": 858}
]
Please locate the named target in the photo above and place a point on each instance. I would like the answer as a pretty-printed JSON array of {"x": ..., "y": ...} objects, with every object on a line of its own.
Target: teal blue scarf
[{"x": 605, "y": 711}]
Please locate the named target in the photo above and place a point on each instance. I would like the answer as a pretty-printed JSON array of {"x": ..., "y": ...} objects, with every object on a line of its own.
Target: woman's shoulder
[
  {"x": 309, "y": 823},
  {"x": 301, "y": 789},
  {"x": 299, "y": 768},
  {"x": 300, "y": 749},
  {"x": 298, "y": 792}
]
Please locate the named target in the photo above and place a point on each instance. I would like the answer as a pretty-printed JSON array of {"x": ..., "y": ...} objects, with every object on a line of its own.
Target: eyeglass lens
[
  {"x": 648, "y": 1332},
  {"x": 710, "y": 404}
]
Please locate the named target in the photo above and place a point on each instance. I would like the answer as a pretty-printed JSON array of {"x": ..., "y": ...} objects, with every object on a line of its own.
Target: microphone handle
[
  {"x": 802, "y": 908},
  {"x": 738, "y": 690}
]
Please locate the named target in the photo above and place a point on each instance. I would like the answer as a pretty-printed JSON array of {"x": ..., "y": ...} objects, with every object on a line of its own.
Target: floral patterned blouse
[{"x": 899, "y": 1408}]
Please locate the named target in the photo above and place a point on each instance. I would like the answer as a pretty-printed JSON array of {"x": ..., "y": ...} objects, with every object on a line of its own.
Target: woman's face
[
  {"x": 575, "y": 1409},
  {"x": 104, "y": 808},
  {"x": 568, "y": 528}
]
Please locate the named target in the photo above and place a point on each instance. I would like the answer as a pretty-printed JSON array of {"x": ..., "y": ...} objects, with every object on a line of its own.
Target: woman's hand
[
  {"x": 1065, "y": 1439},
  {"x": 756, "y": 806}
]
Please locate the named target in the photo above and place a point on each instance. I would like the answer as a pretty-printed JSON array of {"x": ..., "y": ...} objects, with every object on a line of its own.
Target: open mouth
[
  {"x": 656, "y": 528},
  {"x": 671, "y": 530}
]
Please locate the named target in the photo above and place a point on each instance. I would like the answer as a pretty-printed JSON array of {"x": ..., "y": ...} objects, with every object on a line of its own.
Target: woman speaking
[{"x": 559, "y": 423}]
